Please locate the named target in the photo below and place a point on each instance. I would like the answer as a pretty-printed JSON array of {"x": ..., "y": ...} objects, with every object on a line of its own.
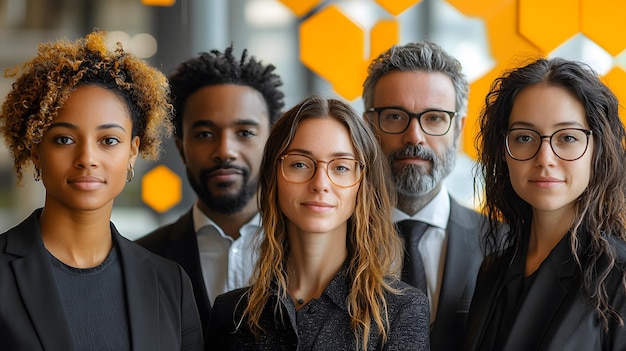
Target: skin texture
[
  {"x": 224, "y": 131},
  {"x": 549, "y": 184},
  {"x": 317, "y": 211},
  {"x": 84, "y": 162},
  {"x": 419, "y": 162}
]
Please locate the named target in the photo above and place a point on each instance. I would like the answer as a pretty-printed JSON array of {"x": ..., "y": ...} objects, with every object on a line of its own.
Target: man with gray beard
[
  {"x": 415, "y": 99},
  {"x": 224, "y": 108}
]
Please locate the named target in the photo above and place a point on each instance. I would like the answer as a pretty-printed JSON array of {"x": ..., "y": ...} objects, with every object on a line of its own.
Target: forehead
[
  {"x": 322, "y": 137},
  {"x": 226, "y": 104},
  {"x": 547, "y": 106},
  {"x": 93, "y": 105},
  {"x": 415, "y": 91}
]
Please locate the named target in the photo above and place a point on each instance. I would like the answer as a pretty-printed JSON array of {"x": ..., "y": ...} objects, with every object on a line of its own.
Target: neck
[
  {"x": 79, "y": 239},
  {"x": 547, "y": 229},
  {"x": 314, "y": 260},
  {"x": 231, "y": 223}
]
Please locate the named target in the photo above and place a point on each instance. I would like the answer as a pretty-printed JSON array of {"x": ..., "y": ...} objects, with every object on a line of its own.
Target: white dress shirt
[
  {"x": 433, "y": 244},
  {"x": 227, "y": 263}
]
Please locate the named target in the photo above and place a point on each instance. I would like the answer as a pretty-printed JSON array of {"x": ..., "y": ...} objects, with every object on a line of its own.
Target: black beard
[
  {"x": 415, "y": 180},
  {"x": 224, "y": 204}
]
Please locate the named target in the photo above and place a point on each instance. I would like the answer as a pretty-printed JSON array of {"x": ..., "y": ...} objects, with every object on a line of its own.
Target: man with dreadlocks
[{"x": 224, "y": 108}]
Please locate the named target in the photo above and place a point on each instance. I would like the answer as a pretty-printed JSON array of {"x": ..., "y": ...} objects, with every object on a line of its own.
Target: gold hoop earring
[
  {"x": 37, "y": 175},
  {"x": 130, "y": 174}
]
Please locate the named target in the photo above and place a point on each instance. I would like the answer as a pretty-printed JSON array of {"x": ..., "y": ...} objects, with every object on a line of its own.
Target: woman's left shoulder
[
  {"x": 404, "y": 294},
  {"x": 619, "y": 246}
]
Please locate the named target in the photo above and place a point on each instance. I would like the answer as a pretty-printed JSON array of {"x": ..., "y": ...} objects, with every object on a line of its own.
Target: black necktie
[{"x": 413, "y": 267}]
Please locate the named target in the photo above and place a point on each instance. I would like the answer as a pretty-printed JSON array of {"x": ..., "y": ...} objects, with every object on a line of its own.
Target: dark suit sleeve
[
  {"x": 192, "y": 338},
  {"x": 409, "y": 321}
]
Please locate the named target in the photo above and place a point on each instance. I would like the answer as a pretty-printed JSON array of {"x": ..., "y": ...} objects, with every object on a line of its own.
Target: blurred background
[{"x": 318, "y": 47}]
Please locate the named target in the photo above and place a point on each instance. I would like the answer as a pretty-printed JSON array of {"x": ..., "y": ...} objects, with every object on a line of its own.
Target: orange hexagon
[
  {"x": 161, "y": 189},
  {"x": 158, "y": 2},
  {"x": 504, "y": 38},
  {"x": 300, "y": 7},
  {"x": 332, "y": 46},
  {"x": 480, "y": 8},
  {"x": 548, "y": 24},
  {"x": 396, "y": 7},
  {"x": 616, "y": 81},
  {"x": 602, "y": 22}
]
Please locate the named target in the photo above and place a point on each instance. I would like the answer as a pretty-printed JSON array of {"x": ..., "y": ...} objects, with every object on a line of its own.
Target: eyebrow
[
  {"x": 239, "y": 122},
  {"x": 75, "y": 127},
  {"x": 523, "y": 124},
  {"x": 309, "y": 153}
]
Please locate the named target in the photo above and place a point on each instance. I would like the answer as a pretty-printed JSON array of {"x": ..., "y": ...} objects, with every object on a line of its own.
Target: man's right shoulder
[{"x": 158, "y": 239}]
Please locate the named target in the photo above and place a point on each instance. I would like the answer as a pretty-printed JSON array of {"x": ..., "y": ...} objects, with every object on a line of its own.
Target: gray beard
[{"x": 414, "y": 181}]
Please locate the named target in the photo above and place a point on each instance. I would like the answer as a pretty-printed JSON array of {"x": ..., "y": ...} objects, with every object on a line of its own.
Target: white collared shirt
[
  {"x": 433, "y": 244},
  {"x": 227, "y": 263}
]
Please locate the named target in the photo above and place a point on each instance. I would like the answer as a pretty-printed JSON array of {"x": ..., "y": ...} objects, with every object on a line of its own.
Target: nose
[
  {"x": 320, "y": 181},
  {"x": 86, "y": 155},
  {"x": 545, "y": 156},
  {"x": 413, "y": 135},
  {"x": 225, "y": 151}
]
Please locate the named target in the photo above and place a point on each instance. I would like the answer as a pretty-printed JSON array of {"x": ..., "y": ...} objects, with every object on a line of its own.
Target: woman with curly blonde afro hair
[{"x": 81, "y": 114}]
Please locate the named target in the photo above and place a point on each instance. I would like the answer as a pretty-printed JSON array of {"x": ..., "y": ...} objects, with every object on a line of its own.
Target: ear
[
  {"x": 462, "y": 123},
  {"x": 134, "y": 149},
  {"x": 181, "y": 149},
  {"x": 34, "y": 156}
]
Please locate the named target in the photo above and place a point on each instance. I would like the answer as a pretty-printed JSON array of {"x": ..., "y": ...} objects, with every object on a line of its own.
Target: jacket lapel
[
  {"x": 554, "y": 282},
  {"x": 144, "y": 303},
  {"x": 35, "y": 281}
]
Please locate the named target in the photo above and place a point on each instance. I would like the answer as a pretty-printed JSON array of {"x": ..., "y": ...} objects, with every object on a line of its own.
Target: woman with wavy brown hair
[
  {"x": 552, "y": 154},
  {"x": 327, "y": 273},
  {"x": 81, "y": 114}
]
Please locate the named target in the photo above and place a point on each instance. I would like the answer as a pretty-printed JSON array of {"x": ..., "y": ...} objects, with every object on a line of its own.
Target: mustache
[
  {"x": 205, "y": 173},
  {"x": 414, "y": 151}
]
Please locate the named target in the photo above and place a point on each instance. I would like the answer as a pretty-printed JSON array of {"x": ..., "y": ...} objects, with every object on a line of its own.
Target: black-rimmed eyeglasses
[
  {"x": 568, "y": 144},
  {"x": 395, "y": 120},
  {"x": 343, "y": 172}
]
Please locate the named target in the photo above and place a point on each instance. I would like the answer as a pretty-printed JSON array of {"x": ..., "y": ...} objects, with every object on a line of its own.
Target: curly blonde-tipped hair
[
  {"x": 45, "y": 82},
  {"x": 374, "y": 248}
]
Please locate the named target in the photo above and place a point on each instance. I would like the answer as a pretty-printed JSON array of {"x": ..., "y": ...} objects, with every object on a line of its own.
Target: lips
[
  {"x": 546, "y": 182},
  {"x": 86, "y": 182},
  {"x": 318, "y": 206}
]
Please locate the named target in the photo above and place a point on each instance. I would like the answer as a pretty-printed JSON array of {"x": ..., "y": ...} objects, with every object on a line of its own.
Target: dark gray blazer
[
  {"x": 555, "y": 314},
  {"x": 162, "y": 314},
  {"x": 322, "y": 324},
  {"x": 178, "y": 242},
  {"x": 463, "y": 259}
]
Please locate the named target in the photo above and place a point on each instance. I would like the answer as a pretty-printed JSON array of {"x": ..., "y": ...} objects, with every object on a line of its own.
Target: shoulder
[
  {"x": 232, "y": 299},
  {"x": 405, "y": 296},
  {"x": 158, "y": 239}
]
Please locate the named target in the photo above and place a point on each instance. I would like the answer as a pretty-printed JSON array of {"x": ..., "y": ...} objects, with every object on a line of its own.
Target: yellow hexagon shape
[
  {"x": 548, "y": 24},
  {"x": 300, "y": 7},
  {"x": 603, "y": 22},
  {"x": 396, "y": 7},
  {"x": 616, "y": 81},
  {"x": 332, "y": 46},
  {"x": 158, "y": 2},
  {"x": 480, "y": 8},
  {"x": 161, "y": 189},
  {"x": 504, "y": 38}
]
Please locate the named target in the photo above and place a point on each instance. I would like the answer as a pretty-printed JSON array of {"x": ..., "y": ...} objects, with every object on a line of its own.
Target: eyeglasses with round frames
[
  {"x": 395, "y": 120},
  {"x": 568, "y": 144},
  {"x": 343, "y": 172}
]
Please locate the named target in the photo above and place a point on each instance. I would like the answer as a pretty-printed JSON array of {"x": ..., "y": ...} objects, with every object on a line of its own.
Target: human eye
[
  {"x": 63, "y": 140},
  {"x": 203, "y": 134},
  {"x": 299, "y": 163},
  {"x": 521, "y": 136},
  {"x": 569, "y": 136},
  {"x": 248, "y": 133},
  {"x": 342, "y": 166},
  {"x": 393, "y": 115},
  {"x": 110, "y": 141},
  {"x": 435, "y": 117}
]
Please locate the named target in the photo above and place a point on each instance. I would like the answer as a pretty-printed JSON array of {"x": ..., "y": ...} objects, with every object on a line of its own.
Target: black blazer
[
  {"x": 555, "y": 315},
  {"x": 463, "y": 259},
  {"x": 161, "y": 311},
  {"x": 178, "y": 242}
]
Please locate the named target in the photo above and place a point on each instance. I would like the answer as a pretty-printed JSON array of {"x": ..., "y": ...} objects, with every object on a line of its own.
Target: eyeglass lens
[
  {"x": 432, "y": 122},
  {"x": 344, "y": 172},
  {"x": 568, "y": 144}
]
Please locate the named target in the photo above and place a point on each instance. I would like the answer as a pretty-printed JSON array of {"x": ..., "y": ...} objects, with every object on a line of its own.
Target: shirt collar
[
  {"x": 435, "y": 213},
  {"x": 200, "y": 220}
]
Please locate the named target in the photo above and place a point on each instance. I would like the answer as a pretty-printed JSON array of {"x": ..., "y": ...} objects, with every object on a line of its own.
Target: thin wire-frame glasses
[
  {"x": 343, "y": 172},
  {"x": 568, "y": 144},
  {"x": 395, "y": 120}
]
